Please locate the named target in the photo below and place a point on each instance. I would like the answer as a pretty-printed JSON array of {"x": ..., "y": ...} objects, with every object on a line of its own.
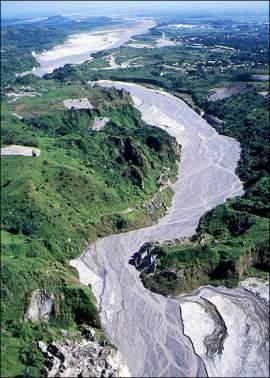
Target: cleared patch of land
[
  {"x": 15, "y": 150},
  {"x": 100, "y": 123},
  {"x": 260, "y": 77},
  {"x": 79, "y": 103}
]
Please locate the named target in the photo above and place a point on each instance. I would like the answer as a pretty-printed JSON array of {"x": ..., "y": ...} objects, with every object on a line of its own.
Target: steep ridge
[{"x": 146, "y": 327}]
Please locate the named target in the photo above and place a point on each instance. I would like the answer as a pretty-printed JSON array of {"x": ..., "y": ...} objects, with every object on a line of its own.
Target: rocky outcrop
[
  {"x": 214, "y": 121},
  {"x": 82, "y": 357},
  {"x": 145, "y": 260},
  {"x": 185, "y": 240},
  {"x": 156, "y": 203},
  {"x": 40, "y": 307},
  {"x": 79, "y": 103}
]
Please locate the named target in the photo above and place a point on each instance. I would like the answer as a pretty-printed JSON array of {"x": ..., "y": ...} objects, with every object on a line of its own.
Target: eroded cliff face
[
  {"x": 256, "y": 256},
  {"x": 228, "y": 91},
  {"x": 80, "y": 355},
  {"x": 40, "y": 307}
]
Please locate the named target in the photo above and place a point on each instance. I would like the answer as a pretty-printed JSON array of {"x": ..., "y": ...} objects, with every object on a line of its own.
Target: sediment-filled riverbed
[{"x": 155, "y": 334}]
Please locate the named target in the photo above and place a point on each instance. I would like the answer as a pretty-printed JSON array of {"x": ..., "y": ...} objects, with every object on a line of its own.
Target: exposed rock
[
  {"x": 203, "y": 239},
  {"x": 17, "y": 116},
  {"x": 185, "y": 240},
  {"x": 84, "y": 358},
  {"x": 255, "y": 256},
  {"x": 214, "y": 121},
  {"x": 70, "y": 334},
  {"x": 40, "y": 307},
  {"x": 258, "y": 286},
  {"x": 228, "y": 91},
  {"x": 127, "y": 211},
  {"x": 162, "y": 180},
  {"x": 260, "y": 77},
  {"x": 88, "y": 333},
  {"x": 176, "y": 148},
  {"x": 145, "y": 260},
  {"x": 100, "y": 123},
  {"x": 154, "y": 204}
]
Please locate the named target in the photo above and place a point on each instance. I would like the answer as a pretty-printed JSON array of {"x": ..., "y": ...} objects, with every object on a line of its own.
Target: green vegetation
[
  {"x": 76, "y": 191},
  {"x": 252, "y": 131}
]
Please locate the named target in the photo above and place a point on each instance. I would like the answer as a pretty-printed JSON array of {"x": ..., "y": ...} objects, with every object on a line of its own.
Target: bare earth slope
[{"x": 148, "y": 328}]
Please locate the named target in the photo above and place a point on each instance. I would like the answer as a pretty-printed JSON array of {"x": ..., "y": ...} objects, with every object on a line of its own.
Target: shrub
[
  {"x": 31, "y": 254},
  {"x": 119, "y": 221}
]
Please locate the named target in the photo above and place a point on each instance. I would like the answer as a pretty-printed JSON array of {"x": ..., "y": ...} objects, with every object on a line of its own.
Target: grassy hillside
[{"x": 76, "y": 191}]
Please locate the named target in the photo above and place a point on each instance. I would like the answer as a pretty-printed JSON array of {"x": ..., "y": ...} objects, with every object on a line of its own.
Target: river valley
[
  {"x": 135, "y": 227},
  {"x": 161, "y": 336},
  {"x": 79, "y": 47}
]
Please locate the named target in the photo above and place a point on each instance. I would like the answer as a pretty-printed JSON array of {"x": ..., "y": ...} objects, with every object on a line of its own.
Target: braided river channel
[{"x": 211, "y": 331}]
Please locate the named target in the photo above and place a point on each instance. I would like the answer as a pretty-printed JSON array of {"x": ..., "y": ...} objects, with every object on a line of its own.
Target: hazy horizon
[{"x": 23, "y": 9}]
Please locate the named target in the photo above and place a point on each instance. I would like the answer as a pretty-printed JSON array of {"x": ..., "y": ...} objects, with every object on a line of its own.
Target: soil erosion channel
[{"x": 151, "y": 330}]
